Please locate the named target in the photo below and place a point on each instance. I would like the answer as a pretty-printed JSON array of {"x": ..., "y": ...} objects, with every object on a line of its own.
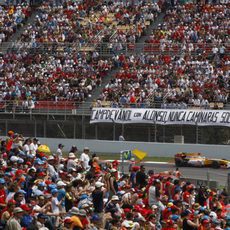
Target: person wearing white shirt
[
  {"x": 59, "y": 151},
  {"x": 71, "y": 161},
  {"x": 51, "y": 170},
  {"x": 84, "y": 158},
  {"x": 26, "y": 146},
  {"x": 33, "y": 146}
]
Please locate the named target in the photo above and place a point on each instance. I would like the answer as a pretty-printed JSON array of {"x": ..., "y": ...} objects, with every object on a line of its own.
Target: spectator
[
  {"x": 141, "y": 177},
  {"x": 14, "y": 222},
  {"x": 84, "y": 158}
]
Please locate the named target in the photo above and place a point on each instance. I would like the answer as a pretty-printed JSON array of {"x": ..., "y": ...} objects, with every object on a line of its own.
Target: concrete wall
[{"x": 153, "y": 149}]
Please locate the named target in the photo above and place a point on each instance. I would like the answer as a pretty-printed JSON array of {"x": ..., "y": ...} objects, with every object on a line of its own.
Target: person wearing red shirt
[
  {"x": 83, "y": 217},
  {"x": 7, "y": 212},
  {"x": 2, "y": 193},
  {"x": 169, "y": 225}
]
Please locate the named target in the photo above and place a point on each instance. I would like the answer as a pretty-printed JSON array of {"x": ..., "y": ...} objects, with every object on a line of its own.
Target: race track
[{"x": 219, "y": 175}]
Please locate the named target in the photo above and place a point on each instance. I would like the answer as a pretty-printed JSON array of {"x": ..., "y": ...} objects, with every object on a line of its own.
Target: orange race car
[{"x": 198, "y": 160}]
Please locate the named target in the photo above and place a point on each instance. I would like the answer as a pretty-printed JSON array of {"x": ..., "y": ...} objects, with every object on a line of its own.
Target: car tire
[{"x": 215, "y": 165}]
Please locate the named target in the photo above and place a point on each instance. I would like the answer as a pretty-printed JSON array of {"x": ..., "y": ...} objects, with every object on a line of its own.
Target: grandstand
[{"x": 114, "y": 75}]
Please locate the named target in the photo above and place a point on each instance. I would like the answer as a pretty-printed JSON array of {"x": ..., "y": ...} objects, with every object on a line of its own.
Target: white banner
[{"x": 161, "y": 116}]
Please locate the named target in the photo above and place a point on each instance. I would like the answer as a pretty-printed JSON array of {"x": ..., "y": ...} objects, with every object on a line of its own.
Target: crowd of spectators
[
  {"x": 131, "y": 25},
  {"x": 47, "y": 63},
  {"x": 76, "y": 190},
  {"x": 194, "y": 80},
  {"x": 11, "y": 18},
  {"x": 202, "y": 29},
  {"x": 186, "y": 62},
  {"x": 85, "y": 22},
  {"x": 52, "y": 76}
]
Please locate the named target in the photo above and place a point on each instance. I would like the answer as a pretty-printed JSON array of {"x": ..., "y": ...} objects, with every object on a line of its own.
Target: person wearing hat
[
  {"x": 112, "y": 206},
  {"x": 39, "y": 188},
  {"x": 133, "y": 172},
  {"x": 71, "y": 163},
  {"x": 41, "y": 219},
  {"x": 7, "y": 212},
  {"x": 83, "y": 218},
  {"x": 76, "y": 222},
  {"x": 168, "y": 225},
  {"x": 14, "y": 222},
  {"x": 205, "y": 224},
  {"x": 98, "y": 204},
  {"x": 19, "y": 177},
  {"x": 51, "y": 169},
  {"x": 188, "y": 224},
  {"x": 61, "y": 194},
  {"x": 27, "y": 218},
  {"x": 67, "y": 223},
  {"x": 112, "y": 185},
  {"x": 84, "y": 159}
]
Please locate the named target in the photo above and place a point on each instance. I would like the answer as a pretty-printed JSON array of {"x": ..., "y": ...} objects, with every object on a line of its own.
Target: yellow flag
[{"x": 139, "y": 154}]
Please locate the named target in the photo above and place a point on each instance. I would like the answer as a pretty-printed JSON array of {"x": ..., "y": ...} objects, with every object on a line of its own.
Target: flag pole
[{"x": 122, "y": 139}]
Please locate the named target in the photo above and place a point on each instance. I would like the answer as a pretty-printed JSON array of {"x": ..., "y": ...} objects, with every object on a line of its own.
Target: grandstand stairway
[
  {"x": 5, "y": 46},
  {"x": 85, "y": 107}
]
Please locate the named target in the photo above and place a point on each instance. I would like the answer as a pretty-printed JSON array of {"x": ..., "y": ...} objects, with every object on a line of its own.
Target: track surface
[{"x": 219, "y": 175}]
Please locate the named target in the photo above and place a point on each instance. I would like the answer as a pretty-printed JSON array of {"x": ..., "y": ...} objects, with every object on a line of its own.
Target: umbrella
[{"x": 44, "y": 149}]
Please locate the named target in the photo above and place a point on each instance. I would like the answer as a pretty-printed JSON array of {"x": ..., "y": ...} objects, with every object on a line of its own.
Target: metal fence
[
  {"x": 53, "y": 120},
  {"x": 110, "y": 48},
  {"x": 65, "y": 108},
  {"x": 79, "y": 127}
]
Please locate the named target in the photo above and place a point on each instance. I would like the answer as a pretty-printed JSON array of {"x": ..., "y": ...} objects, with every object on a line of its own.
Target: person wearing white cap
[
  {"x": 61, "y": 194},
  {"x": 112, "y": 185},
  {"x": 71, "y": 161},
  {"x": 84, "y": 158},
  {"x": 113, "y": 206},
  {"x": 14, "y": 222},
  {"x": 98, "y": 204},
  {"x": 50, "y": 169}
]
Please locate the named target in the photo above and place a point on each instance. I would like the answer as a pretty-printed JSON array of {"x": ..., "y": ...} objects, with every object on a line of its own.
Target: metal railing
[
  {"x": 84, "y": 108},
  {"x": 109, "y": 49}
]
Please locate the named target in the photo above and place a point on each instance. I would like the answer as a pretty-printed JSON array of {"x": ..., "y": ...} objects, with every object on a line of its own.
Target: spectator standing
[
  {"x": 98, "y": 204},
  {"x": 154, "y": 193},
  {"x": 33, "y": 146},
  {"x": 84, "y": 158},
  {"x": 141, "y": 177}
]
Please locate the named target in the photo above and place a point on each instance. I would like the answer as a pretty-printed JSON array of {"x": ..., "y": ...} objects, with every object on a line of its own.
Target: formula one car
[{"x": 197, "y": 160}]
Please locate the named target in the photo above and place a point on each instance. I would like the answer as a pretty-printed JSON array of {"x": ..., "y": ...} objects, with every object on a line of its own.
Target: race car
[{"x": 198, "y": 160}]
